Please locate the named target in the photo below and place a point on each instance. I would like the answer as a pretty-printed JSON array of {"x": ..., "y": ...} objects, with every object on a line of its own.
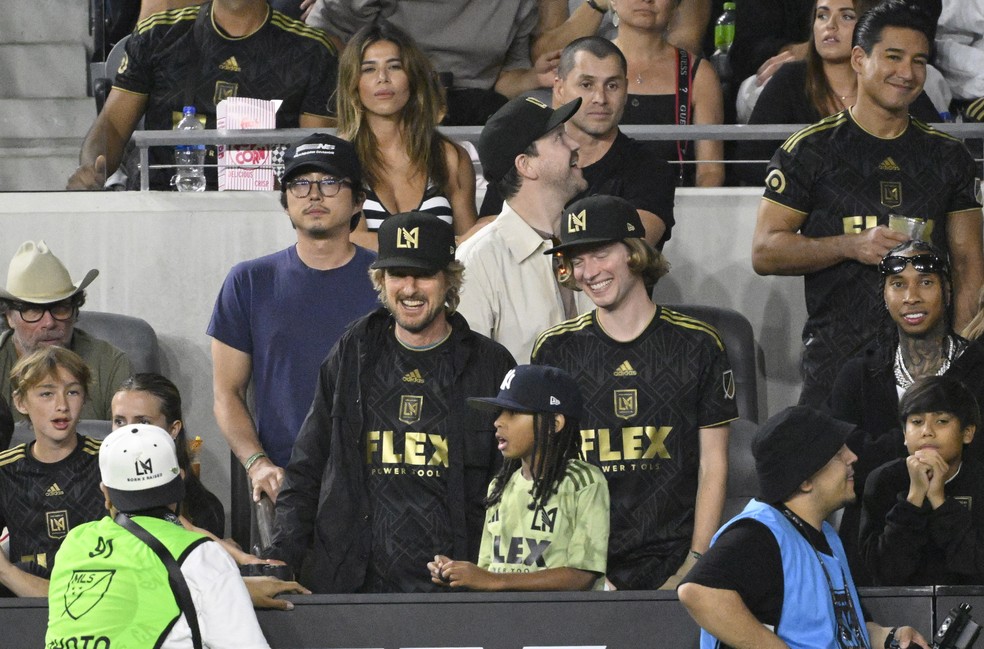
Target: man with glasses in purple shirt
[{"x": 276, "y": 317}]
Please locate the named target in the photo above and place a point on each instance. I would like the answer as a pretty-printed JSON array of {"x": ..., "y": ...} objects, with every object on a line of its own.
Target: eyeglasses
[
  {"x": 924, "y": 263},
  {"x": 61, "y": 311},
  {"x": 329, "y": 187}
]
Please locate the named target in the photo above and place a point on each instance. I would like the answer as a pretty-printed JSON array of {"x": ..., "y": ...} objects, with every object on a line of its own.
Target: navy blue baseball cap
[{"x": 534, "y": 388}]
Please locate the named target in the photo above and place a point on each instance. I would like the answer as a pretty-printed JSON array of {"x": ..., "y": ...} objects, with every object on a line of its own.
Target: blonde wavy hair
[
  {"x": 644, "y": 260},
  {"x": 454, "y": 274}
]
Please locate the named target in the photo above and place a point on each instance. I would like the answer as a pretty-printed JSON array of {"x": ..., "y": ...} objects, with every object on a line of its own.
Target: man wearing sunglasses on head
[
  {"x": 832, "y": 186},
  {"x": 40, "y": 305},
  {"x": 918, "y": 297},
  {"x": 276, "y": 317}
]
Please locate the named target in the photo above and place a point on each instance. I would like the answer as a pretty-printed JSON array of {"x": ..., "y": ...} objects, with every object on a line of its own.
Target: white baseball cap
[{"x": 139, "y": 466}]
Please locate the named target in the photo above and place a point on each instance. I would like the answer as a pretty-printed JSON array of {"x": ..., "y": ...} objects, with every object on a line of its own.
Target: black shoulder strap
[
  {"x": 684, "y": 102},
  {"x": 195, "y": 71},
  {"x": 176, "y": 579}
]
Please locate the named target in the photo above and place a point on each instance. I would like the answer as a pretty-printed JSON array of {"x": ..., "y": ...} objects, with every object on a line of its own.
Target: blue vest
[{"x": 808, "y": 619}]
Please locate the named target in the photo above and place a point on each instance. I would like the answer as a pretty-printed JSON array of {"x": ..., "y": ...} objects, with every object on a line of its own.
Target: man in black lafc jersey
[
  {"x": 831, "y": 187},
  {"x": 391, "y": 467},
  {"x": 659, "y": 396},
  {"x": 198, "y": 56}
]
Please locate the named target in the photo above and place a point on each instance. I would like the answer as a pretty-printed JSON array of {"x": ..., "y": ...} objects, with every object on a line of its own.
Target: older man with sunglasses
[
  {"x": 276, "y": 317},
  {"x": 40, "y": 305}
]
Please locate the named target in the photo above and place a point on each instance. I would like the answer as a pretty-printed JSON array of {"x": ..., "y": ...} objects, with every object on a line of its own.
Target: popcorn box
[{"x": 245, "y": 166}]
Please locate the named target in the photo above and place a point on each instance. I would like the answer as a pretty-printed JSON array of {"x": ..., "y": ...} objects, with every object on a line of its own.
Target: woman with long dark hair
[{"x": 389, "y": 105}]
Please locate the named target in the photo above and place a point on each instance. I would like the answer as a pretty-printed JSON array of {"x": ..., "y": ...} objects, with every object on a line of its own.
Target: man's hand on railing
[
  {"x": 89, "y": 176},
  {"x": 266, "y": 478},
  {"x": 264, "y": 590}
]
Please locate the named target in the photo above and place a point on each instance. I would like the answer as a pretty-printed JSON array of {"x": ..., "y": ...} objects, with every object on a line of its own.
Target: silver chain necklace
[{"x": 902, "y": 377}]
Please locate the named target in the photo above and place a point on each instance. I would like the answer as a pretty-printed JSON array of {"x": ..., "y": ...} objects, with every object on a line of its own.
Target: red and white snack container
[{"x": 245, "y": 166}]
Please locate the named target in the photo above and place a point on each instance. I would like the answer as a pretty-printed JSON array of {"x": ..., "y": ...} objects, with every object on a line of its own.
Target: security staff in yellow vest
[{"x": 110, "y": 586}]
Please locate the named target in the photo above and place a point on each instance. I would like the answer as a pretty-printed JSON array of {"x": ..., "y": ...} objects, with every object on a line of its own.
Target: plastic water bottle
[
  {"x": 724, "y": 36},
  {"x": 189, "y": 175}
]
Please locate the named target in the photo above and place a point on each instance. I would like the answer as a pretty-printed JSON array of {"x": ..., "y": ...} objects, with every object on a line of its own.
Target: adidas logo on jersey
[
  {"x": 889, "y": 165},
  {"x": 413, "y": 377},
  {"x": 625, "y": 369},
  {"x": 230, "y": 65},
  {"x": 54, "y": 490}
]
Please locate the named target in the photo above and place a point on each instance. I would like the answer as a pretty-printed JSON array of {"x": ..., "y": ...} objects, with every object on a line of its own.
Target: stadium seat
[
  {"x": 103, "y": 73},
  {"x": 736, "y": 332},
  {"x": 742, "y": 481},
  {"x": 134, "y": 336},
  {"x": 95, "y": 428}
]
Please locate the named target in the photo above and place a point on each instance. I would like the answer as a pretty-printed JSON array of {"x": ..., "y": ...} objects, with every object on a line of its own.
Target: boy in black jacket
[{"x": 918, "y": 522}]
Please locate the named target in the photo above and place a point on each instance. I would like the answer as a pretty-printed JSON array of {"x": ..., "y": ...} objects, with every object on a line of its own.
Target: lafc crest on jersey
[
  {"x": 410, "y": 408},
  {"x": 224, "y": 90},
  {"x": 57, "y": 522},
  {"x": 891, "y": 193},
  {"x": 626, "y": 403}
]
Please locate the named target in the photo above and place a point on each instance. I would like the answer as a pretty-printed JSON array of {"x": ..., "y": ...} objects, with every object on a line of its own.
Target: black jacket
[
  {"x": 864, "y": 394},
  {"x": 322, "y": 514},
  {"x": 905, "y": 545}
]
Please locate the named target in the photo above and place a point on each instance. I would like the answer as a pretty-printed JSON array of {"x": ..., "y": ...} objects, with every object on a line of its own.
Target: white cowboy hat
[{"x": 35, "y": 275}]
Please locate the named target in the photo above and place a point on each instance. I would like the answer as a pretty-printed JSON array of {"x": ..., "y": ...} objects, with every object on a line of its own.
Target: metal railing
[{"x": 143, "y": 140}]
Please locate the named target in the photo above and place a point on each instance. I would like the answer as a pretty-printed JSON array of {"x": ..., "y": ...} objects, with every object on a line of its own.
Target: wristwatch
[{"x": 890, "y": 641}]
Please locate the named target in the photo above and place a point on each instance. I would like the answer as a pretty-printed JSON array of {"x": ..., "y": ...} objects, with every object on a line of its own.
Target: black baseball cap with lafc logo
[
  {"x": 415, "y": 240},
  {"x": 598, "y": 220}
]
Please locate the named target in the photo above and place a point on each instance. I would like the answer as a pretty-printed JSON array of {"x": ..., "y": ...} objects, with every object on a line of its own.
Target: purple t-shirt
[{"x": 287, "y": 317}]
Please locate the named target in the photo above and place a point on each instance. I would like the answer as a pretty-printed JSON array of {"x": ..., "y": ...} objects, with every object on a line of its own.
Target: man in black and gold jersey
[
  {"x": 391, "y": 467},
  {"x": 198, "y": 56},
  {"x": 659, "y": 396},
  {"x": 831, "y": 187}
]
